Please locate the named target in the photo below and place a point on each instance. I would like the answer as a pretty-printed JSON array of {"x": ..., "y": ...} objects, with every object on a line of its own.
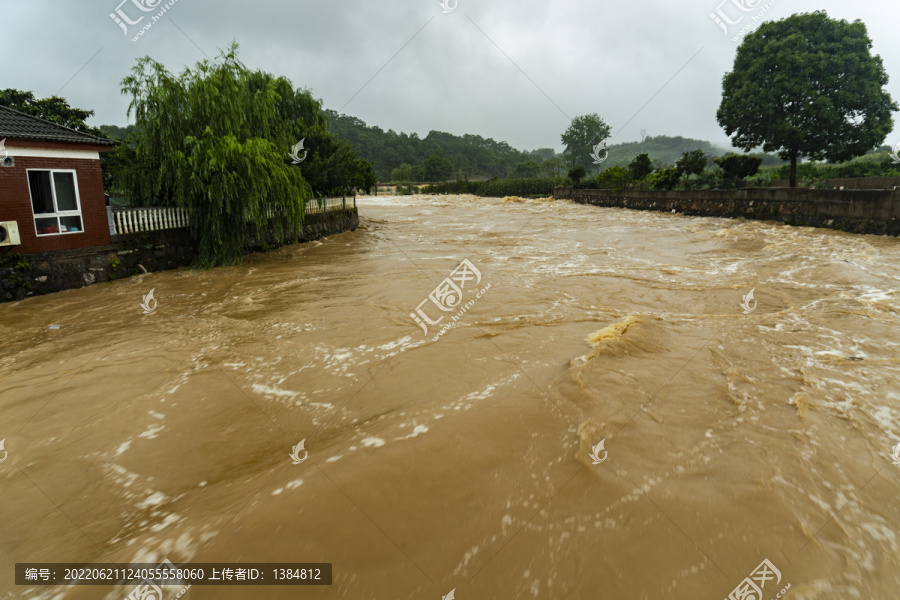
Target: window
[{"x": 54, "y": 201}]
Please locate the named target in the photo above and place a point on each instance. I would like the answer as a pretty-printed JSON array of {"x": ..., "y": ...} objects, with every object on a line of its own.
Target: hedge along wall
[
  {"x": 857, "y": 211},
  {"x": 46, "y": 272}
]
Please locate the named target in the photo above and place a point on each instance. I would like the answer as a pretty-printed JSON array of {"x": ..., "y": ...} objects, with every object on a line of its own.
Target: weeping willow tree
[{"x": 215, "y": 141}]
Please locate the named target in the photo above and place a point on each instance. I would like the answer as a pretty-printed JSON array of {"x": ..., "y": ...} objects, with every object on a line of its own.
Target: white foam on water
[
  {"x": 372, "y": 442},
  {"x": 417, "y": 431},
  {"x": 169, "y": 519},
  {"x": 269, "y": 391},
  {"x": 151, "y": 431},
  {"x": 154, "y": 499}
]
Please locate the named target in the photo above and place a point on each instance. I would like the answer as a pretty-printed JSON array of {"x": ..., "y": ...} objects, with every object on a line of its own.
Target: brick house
[{"x": 51, "y": 188}]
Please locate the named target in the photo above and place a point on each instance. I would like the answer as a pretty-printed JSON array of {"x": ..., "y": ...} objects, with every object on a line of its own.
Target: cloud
[{"x": 507, "y": 69}]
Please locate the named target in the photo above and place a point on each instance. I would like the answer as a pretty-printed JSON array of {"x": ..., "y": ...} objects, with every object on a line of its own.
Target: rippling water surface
[{"x": 462, "y": 460}]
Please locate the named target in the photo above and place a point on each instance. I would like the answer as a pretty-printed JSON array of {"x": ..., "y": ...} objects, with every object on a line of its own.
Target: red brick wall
[{"x": 15, "y": 205}]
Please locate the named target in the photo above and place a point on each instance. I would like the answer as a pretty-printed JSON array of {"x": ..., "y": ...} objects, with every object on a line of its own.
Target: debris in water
[{"x": 53, "y": 327}]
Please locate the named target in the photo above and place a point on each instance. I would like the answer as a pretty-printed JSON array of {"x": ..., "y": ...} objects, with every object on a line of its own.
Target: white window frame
[{"x": 57, "y": 214}]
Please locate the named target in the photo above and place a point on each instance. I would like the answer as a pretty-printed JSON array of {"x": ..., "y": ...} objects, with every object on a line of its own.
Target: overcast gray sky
[{"x": 457, "y": 74}]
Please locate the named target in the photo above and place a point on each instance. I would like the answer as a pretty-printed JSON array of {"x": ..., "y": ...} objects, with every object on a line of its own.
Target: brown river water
[{"x": 460, "y": 460}]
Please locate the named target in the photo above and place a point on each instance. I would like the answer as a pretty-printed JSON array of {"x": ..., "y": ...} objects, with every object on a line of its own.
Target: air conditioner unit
[
  {"x": 9, "y": 233},
  {"x": 9, "y": 161}
]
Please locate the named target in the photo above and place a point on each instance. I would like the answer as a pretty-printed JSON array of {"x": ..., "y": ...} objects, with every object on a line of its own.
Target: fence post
[{"x": 344, "y": 202}]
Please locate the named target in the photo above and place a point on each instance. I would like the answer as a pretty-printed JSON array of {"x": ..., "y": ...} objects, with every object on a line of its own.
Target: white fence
[{"x": 137, "y": 220}]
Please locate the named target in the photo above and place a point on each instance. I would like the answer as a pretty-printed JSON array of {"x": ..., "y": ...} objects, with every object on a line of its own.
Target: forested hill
[
  {"x": 472, "y": 156},
  {"x": 663, "y": 150}
]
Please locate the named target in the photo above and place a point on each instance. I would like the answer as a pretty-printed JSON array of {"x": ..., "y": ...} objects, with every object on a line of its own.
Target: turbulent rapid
[{"x": 453, "y": 412}]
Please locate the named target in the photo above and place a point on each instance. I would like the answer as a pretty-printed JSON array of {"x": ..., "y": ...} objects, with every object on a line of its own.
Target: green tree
[
  {"x": 577, "y": 174},
  {"x": 583, "y": 134},
  {"x": 640, "y": 167},
  {"x": 437, "y": 167},
  {"x": 54, "y": 109},
  {"x": 737, "y": 167},
  {"x": 333, "y": 169},
  {"x": 552, "y": 167},
  {"x": 215, "y": 141},
  {"x": 809, "y": 86},
  {"x": 526, "y": 169},
  {"x": 664, "y": 179},
  {"x": 692, "y": 162},
  {"x": 403, "y": 173},
  {"x": 615, "y": 177}
]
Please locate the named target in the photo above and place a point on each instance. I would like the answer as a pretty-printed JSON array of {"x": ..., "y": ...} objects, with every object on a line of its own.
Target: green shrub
[
  {"x": 615, "y": 178},
  {"x": 663, "y": 179}
]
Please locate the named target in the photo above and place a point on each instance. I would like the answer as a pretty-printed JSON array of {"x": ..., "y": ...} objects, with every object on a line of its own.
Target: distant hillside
[
  {"x": 471, "y": 156},
  {"x": 474, "y": 157}
]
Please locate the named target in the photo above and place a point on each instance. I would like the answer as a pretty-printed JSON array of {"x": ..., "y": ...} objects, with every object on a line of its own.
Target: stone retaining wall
[{"x": 857, "y": 211}]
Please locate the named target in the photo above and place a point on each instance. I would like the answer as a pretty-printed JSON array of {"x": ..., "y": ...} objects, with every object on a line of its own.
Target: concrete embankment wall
[
  {"x": 45, "y": 272},
  {"x": 857, "y": 211}
]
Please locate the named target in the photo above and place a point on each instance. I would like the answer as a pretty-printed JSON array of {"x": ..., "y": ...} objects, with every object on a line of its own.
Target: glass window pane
[
  {"x": 47, "y": 225},
  {"x": 72, "y": 224},
  {"x": 65, "y": 191},
  {"x": 41, "y": 195}
]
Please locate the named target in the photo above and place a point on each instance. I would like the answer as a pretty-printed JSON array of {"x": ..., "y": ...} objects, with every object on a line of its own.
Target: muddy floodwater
[{"x": 603, "y": 419}]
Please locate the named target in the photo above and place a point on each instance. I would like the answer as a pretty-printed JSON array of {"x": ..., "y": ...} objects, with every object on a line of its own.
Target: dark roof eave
[{"x": 60, "y": 140}]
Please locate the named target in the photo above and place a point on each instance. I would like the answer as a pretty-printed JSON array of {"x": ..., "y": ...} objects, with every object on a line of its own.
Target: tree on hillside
[
  {"x": 640, "y": 167},
  {"x": 583, "y": 134},
  {"x": 552, "y": 167},
  {"x": 403, "y": 173},
  {"x": 808, "y": 86},
  {"x": 215, "y": 140},
  {"x": 437, "y": 167},
  {"x": 526, "y": 169}
]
